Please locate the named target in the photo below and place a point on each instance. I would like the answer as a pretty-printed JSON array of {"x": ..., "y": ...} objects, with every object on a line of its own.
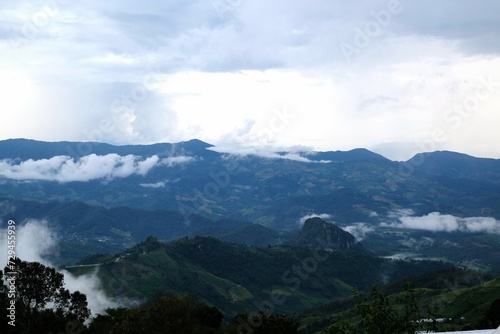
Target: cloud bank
[
  {"x": 437, "y": 222},
  {"x": 91, "y": 167},
  {"x": 268, "y": 151}
]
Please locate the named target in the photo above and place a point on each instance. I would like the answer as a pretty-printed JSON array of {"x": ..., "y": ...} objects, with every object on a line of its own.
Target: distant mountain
[
  {"x": 275, "y": 192},
  {"x": 457, "y": 166},
  {"x": 188, "y": 189},
  {"x": 85, "y": 229},
  {"x": 252, "y": 235},
  {"x": 358, "y": 154},
  {"x": 24, "y": 149}
]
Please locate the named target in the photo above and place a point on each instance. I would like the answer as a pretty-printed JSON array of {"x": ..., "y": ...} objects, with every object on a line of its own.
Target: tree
[
  {"x": 104, "y": 323},
  {"x": 411, "y": 312},
  {"x": 262, "y": 323},
  {"x": 378, "y": 316},
  {"x": 36, "y": 288},
  {"x": 170, "y": 314},
  {"x": 277, "y": 324},
  {"x": 492, "y": 315},
  {"x": 74, "y": 306}
]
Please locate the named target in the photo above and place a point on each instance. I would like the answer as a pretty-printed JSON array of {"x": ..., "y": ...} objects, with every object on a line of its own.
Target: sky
[{"x": 398, "y": 77}]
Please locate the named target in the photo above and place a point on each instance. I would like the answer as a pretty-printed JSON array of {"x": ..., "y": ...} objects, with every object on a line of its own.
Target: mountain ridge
[
  {"x": 190, "y": 183},
  {"x": 71, "y": 148},
  {"x": 236, "y": 277}
]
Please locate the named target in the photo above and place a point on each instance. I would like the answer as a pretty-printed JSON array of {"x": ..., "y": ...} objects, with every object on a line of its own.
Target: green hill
[
  {"x": 239, "y": 278},
  {"x": 451, "y": 299}
]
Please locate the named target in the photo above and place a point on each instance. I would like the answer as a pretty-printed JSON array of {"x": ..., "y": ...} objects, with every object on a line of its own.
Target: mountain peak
[
  {"x": 316, "y": 231},
  {"x": 196, "y": 143},
  {"x": 357, "y": 154},
  {"x": 456, "y": 165}
]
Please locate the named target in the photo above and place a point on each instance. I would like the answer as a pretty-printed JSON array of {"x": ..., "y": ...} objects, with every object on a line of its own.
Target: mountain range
[
  {"x": 112, "y": 197},
  {"x": 247, "y": 231},
  {"x": 320, "y": 263}
]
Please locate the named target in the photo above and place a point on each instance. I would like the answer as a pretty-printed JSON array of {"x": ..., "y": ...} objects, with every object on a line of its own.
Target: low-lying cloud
[
  {"x": 359, "y": 230},
  {"x": 177, "y": 160},
  {"x": 438, "y": 222},
  {"x": 160, "y": 184},
  {"x": 35, "y": 242},
  {"x": 91, "y": 167},
  {"x": 303, "y": 219},
  {"x": 269, "y": 152}
]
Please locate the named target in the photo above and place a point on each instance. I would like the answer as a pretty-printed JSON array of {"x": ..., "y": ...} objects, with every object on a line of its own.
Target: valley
[{"x": 288, "y": 232}]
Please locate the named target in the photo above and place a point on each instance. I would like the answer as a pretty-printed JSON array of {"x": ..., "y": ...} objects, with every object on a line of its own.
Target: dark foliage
[{"x": 42, "y": 303}]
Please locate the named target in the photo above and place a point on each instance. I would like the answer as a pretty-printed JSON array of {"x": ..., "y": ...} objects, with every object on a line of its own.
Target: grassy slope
[
  {"x": 236, "y": 278},
  {"x": 452, "y": 299}
]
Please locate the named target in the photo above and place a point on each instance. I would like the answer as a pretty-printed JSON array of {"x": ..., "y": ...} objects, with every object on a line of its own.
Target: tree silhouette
[
  {"x": 492, "y": 315},
  {"x": 170, "y": 314},
  {"x": 40, "y": 293}
]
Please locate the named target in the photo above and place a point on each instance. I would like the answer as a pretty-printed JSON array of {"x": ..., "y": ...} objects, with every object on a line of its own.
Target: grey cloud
[
  {"x": 476, "y": 25},
  {"x": 195, "y": 36},
  {"x": 111, "y": 44}
]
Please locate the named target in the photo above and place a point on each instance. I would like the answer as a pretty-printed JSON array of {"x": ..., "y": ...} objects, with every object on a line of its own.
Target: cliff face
[{"x": 316, "y": 232}]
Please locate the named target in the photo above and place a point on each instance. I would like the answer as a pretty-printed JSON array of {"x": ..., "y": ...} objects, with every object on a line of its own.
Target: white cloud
[
  {"x": 438, "y": 222},
  {"x": 177, "y": 160},
  {"x": 359, "y": 230},
  {"x": 323, "y": 216},
  {"x": 35, "y": 241},
  {"x": 160, "y": 184},
  {"x": 269, "y": 151},
  {"x": 431, "y": 222},
  {"x": 91, "y": 286},
  {"x": 66, "y": 169}
]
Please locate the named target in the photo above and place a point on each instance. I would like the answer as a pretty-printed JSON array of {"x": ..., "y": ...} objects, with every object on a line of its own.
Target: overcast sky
[{"x": 397, "y": 77}]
